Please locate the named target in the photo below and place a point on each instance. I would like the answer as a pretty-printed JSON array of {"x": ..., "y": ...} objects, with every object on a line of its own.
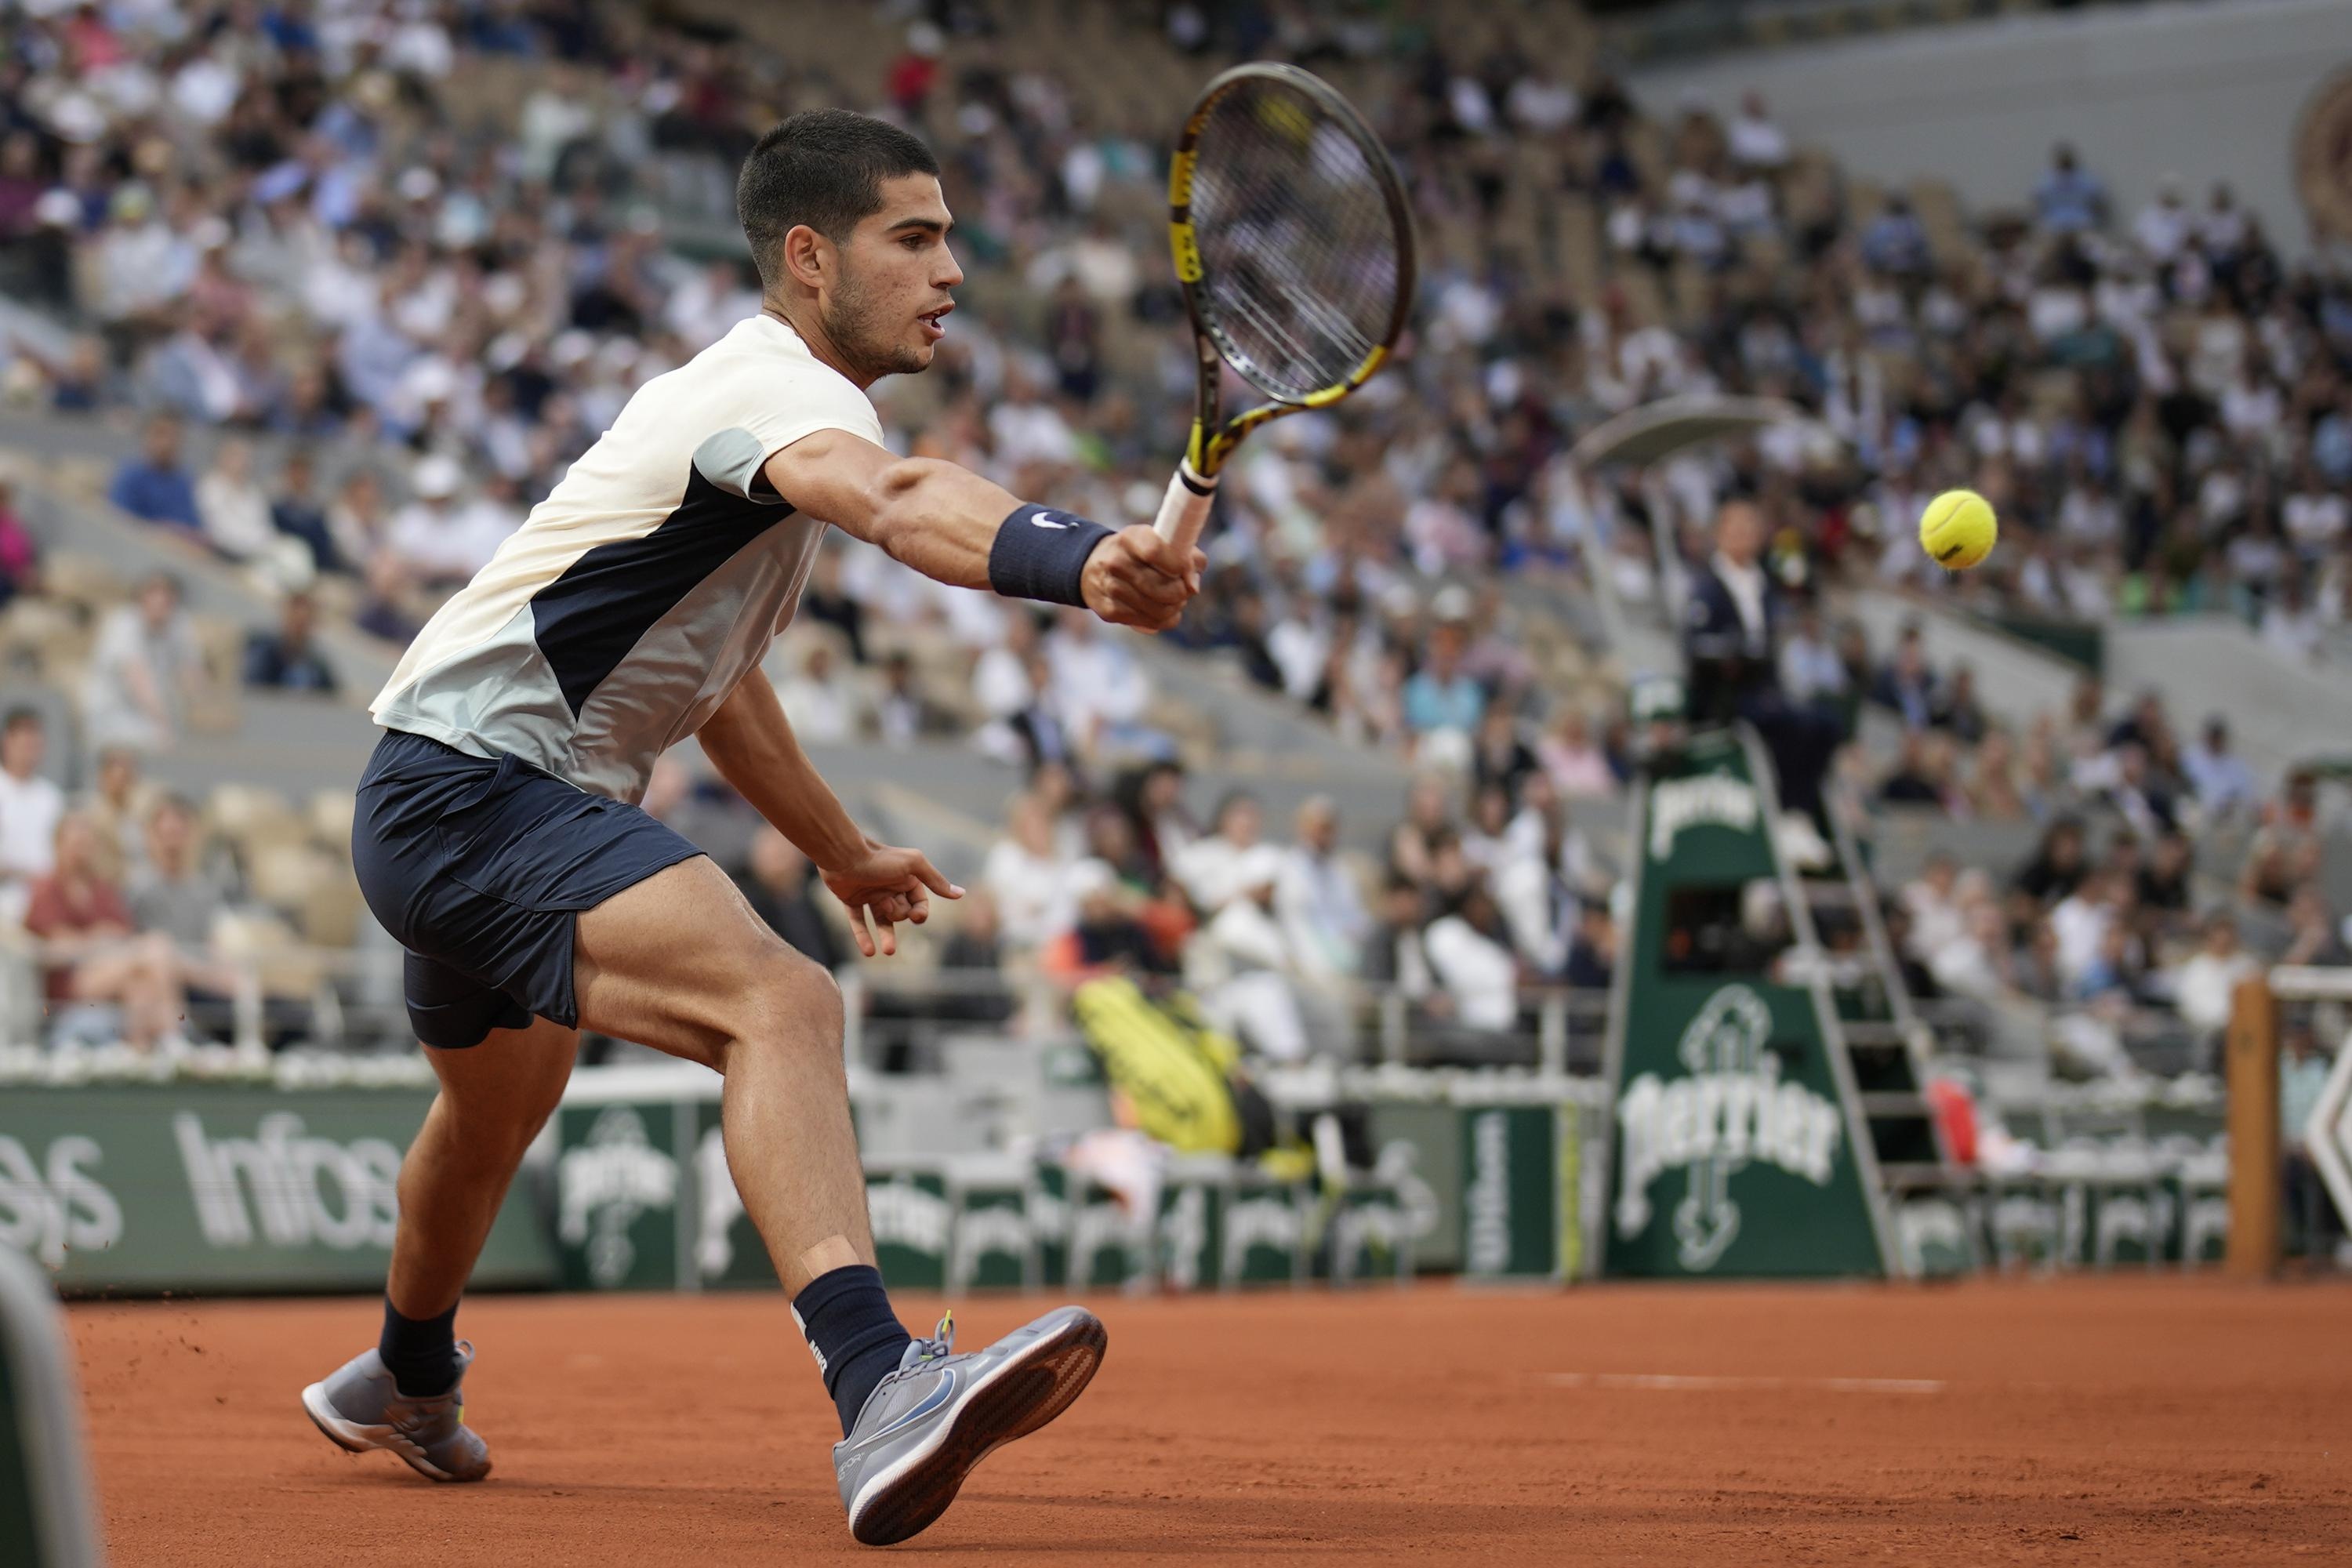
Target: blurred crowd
[{"x": 388, "y": 326}]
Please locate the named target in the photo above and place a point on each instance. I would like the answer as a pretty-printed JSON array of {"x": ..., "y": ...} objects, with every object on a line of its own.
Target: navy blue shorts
[{"x": 481, "y": 870}]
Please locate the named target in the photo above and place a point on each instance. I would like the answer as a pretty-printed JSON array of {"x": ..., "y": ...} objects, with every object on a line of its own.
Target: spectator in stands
[
  {"x": 972, "y": 960},
  {"x": 91, "y": 956},
  {"x": 2070, "y": 199},
  {"x": 1151, "y": 797},
  {"x": 288, "y": 659},
  {"x": 116, "y": 805},
  {"x": 294, "y": 512},
  {"x": 823, "y": 708},
  {"x": 1577, "y": 763},
  {"x": 776, "y": 882},
  {"x": 30, "y": 807},
  {"x": 1393, "y": 955},
  {"x": 2315, "y": 937},
  {"x": 1593, "y": 954},
  {"x": 146, "y": 670},
  {"x": 2164, "y": 891},
  {"x": 2219, "y": 778},
  {"x": 823, "y": 600},
  {"x": 175, "y": 895},
  {"x": 1895, "y": 242},
  {"x": 1428, "y": 822},
  {"x": 1485, "y": 839},
  {"x": 232, "y": 505},
  {"x": 1441, "y": 698},
  {"x": 1499, "y": 756},
  {"x": 20, "y": 558},
  {"x": 1470, "y": 956},
  {"x": 903, "y": 714},
  {"x": 1244, "y": 966},
  {"x": 2286, "y": 851},
  {"x": 1031, "y": 877},
  {"x": 154, "y": 487},
  {"x": 1102, "y": 692},
  {"x": 1954, "y": 708},
  {"x": 1318, "y": 900},
  {"x": 2058, "y": 863},
  {"x": 2204, "y": 984},
  {"x": 1756, "y": 141},
  {"x": 1906, "y": 685},
  {"x": 438, "y": 541},
  {"x": 1210, "y": 865},
  {"x": 1912, "y": 780},
  {"x": 358, "y": 521},
  {"x": 1538, "y": 888},
  {"x": 1993, "y": 792}
]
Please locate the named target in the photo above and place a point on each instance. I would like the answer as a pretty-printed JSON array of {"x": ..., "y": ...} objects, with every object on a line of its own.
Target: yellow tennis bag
[{"x": 1178, "y": 1077}]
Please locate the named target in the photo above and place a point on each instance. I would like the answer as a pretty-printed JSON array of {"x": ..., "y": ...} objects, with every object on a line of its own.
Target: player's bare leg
[
  {"x": 405, "y": 1395},
  {"x": 494, "y": 1098},
  {"x": 680, "y": 962}
]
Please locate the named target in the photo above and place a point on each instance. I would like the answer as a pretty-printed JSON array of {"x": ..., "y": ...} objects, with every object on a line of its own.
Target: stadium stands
[{"x": 389, "y": 272}]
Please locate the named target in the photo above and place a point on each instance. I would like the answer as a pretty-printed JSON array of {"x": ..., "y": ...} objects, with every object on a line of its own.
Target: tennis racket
[{"x": 1295, "y": 247}]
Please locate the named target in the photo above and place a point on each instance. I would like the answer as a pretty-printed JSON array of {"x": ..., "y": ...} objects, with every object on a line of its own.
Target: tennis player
[{"x": 498, "y": 838}]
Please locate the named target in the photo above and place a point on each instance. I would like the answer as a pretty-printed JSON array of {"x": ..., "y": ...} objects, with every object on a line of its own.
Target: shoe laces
[{"x": 939, "y": 1347}]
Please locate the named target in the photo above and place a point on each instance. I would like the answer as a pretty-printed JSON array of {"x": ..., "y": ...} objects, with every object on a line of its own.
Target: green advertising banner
[
  {"x": 1085, "y": 1240},
  {"x": 914, "y": 1225},
  {"x": 221, "y": 1188},
  {"x": 1191, "y": 1224},
  {"x": 1515, "y": 1208},
  {"x": 1267, "y": 1225},
  {"x": 619, "y": 1188},
  {"x": 1734, "y": 1143}
]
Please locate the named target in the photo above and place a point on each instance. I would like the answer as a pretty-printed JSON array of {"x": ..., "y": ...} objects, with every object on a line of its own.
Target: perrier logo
[
  {"x": 1717, "y": 798},
  {"x": 1731, "y": 1108},
  {"x": 602, "y": 1185}
]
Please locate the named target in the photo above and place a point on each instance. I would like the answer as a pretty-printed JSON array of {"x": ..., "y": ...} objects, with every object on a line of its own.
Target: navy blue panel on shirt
[{"x": 587, "y": 620}]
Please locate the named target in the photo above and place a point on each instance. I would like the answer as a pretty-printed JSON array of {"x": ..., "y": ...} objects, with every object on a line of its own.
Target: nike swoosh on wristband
[
  {"x": 948, "y": 1381},
  {"x": 1051, "y": 520}
]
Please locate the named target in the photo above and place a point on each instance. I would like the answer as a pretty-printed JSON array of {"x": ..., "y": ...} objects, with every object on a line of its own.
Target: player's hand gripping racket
[{"x": 1295, "y": 247}]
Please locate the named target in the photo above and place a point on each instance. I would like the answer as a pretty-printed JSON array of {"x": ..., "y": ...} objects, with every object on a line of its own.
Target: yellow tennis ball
[{"x": 1958, "y": 530}]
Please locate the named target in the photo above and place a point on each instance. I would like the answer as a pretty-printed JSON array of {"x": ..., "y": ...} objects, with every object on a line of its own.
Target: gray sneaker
[
  {"x": 359, "y": 1409},
  {"x": 928, "y": 1423}
]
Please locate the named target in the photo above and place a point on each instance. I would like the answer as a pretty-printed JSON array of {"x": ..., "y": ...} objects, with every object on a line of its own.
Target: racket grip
[{"x": 1185, "y": 507}]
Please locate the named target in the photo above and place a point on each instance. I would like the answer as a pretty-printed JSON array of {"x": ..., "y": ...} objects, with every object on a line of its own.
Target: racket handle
[{"x": 1185, "y": 507}]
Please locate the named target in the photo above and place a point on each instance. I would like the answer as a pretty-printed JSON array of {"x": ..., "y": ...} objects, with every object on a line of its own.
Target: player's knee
[{"x": 790, "y": 1003}]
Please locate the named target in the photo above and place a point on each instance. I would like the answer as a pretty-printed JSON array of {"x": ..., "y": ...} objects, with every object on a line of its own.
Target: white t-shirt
[
  {"x": 29, "y": 809},
  {"x": 649, "y": 582}
]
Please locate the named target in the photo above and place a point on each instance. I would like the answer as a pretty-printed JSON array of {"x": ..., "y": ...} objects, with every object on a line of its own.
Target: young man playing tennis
[{"x": 498, "y": 838}]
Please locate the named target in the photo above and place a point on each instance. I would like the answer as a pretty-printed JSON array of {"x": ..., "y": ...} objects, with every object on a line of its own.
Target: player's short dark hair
[
  {"x": 21, "y": 718},
  {"x": 825, "y": 168}
]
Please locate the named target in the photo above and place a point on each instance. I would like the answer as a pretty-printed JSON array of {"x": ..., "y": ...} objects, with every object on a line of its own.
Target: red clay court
[{"x": 2077, "y": 1421}]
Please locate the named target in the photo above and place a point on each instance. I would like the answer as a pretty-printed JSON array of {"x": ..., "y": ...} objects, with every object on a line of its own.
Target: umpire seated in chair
[{"x": 1731, "y": 636}]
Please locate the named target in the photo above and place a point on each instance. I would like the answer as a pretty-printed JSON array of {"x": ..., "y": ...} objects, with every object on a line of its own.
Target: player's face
[{"x": 889, "y": 311}]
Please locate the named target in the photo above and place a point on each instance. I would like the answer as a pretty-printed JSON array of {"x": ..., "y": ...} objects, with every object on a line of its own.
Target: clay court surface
[{"x": 2110, "y": 1421}]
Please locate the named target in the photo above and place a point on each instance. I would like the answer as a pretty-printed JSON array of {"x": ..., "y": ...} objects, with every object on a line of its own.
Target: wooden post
[{"x": 2252, "y": 1071}]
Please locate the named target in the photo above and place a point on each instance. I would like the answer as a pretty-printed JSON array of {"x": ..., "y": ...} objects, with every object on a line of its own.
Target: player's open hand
[
  {"x": 1134, "y": 578},
  {"x": 888, "y": 885}
]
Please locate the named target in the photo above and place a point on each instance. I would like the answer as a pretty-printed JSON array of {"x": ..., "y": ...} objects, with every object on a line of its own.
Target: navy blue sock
[
  {"x": 421, "y": 1352},
  {"x": 856, "y": 1338}
]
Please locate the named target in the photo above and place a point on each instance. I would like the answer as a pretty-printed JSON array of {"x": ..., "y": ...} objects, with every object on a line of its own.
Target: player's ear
[{"x": 809, "y": 258}]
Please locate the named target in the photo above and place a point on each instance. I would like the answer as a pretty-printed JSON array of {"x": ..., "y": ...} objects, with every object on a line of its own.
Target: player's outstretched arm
[
  {"x": 752, "y": 744},
  {"x": 953, "y": 526}
]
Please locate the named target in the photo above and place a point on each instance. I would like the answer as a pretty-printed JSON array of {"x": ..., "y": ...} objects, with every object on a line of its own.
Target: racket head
[{"x": 1293, "y": 241}]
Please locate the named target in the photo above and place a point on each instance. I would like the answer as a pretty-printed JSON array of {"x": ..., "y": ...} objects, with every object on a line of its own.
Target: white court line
[{"x": 1658, "y": 1380}]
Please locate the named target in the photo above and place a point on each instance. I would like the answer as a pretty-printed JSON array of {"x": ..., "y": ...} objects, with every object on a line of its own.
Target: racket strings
[{"x": 1300, "y": 251}]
